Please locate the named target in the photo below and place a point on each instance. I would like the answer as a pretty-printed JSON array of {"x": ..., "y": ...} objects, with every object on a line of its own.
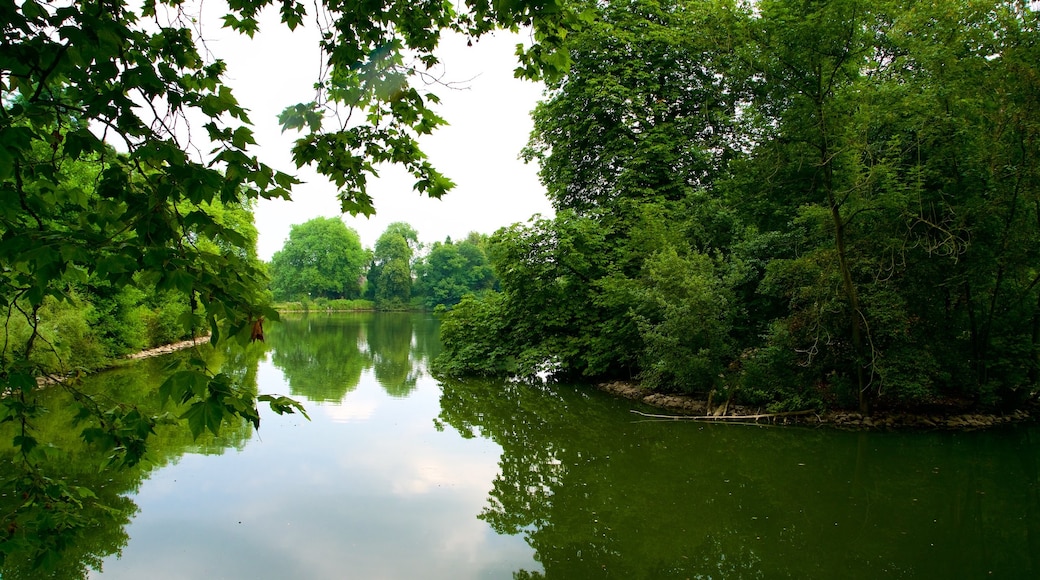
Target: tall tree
[
  {"x": 390, "y": 274},
  {"x": 817, "y": 202},
  {"x": 907, "y": 184},
  {"x": 321, "y": 258},
  {"x": 812, "y": 56},
  {"x": 629, "y": 140},
  {"x": 642, "y": 115}
]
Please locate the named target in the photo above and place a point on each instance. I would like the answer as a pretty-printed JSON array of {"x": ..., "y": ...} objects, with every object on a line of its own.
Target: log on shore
[{"x": 722, "y": 417}]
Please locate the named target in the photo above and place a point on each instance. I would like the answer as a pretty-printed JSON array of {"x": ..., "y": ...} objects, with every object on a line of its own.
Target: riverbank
[
  {"x": 168, "y": 348},
  {"x": 147, "y": 353},
  {"x": 685, "y": 407}
]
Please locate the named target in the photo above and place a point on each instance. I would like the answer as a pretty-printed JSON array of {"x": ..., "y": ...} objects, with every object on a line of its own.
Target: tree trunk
[{"x": 848, "y": 285}]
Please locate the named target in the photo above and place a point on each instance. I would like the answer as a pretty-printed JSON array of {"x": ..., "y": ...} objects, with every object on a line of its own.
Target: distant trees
[
  {"x": 390, "y": 274},
  {"x": 321, "y": 258},
  {"x": 453, "y": 269}
]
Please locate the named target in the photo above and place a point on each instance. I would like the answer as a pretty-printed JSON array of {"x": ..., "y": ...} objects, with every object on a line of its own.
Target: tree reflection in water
[
  {"x": 66, "y": 540},
  {"x": 595, "y": 492},
  {"x": 324, "y": 355},
  {"x": 599, "y": 494}
]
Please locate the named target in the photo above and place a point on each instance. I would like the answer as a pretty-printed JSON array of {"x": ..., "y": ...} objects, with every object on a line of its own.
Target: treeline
[
  {"x": 793, "y": 204},
  {"x": 323, "y": 265}
]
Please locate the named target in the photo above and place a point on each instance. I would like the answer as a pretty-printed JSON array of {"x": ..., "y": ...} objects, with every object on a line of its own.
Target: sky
[{"x": 489, "y": 123}]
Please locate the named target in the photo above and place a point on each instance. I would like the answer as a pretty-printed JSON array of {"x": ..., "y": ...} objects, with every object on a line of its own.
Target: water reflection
[
  {"x": 384, "y": 497},
  {"x": 599, "y": 495},
  {"x": 324, "y": 355},
  {"x": 592, "y": 491},
  {"x": 66, "y": 540}
]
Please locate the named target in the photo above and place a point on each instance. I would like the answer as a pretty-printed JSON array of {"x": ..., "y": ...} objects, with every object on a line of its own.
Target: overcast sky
[{"x": 489, "y": 124}]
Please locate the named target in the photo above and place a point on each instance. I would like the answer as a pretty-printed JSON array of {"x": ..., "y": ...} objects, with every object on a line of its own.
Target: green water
[{"x": 399, "y": 476}]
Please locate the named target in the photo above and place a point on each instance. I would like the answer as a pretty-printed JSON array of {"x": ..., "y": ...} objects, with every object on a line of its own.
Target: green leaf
[
  {"x": 24, "y": 382},
  {"x": 25, "y": 443},
  {"x": 283, "y": 405},
  {"x": 203, "y": 415}
]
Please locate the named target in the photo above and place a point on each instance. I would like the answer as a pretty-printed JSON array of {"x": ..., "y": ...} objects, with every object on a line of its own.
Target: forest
[{"x": 792, "y": 204}]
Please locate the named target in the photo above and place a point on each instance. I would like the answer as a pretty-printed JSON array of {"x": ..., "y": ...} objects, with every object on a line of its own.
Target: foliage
[
  {"x": 322, "y": 258},
  {"x": 475, "y": 334},
  {"x": 390, "y": 273},
  {"x": 626, "y": 141},
  {"x": 815, "y": 203},
  {"x": 684, "y": 322},
  {"x": 453, "y": 269}
]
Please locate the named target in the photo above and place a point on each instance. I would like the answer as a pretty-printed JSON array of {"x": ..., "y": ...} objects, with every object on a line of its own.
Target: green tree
[
  {"x": 815, "y": 202},
  {"x": 883, "y": 154},
  {"x": 642, "y": 114},
  {"x": 321, "y": 258},
  {"x": 451, "y": 270},
  {"x": 390, "y": 273},
  {"x": 629, "y": 140}
]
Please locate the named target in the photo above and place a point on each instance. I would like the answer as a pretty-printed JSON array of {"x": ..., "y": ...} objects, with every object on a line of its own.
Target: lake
[{"x": 396, "y": 475}]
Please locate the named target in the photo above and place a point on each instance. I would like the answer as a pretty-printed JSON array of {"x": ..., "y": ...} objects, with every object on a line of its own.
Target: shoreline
[
  {"x": 165, "y": 349},
  {"x": 688, "y": 408},
  {"x": 48, "y": 379}
]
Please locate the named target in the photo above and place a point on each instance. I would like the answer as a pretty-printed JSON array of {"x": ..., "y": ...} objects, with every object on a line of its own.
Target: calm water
[{"x": 398, "y": 476}]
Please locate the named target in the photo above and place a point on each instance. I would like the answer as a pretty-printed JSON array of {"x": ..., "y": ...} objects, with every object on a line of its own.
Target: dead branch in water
[{"x": 722, "y": 417}]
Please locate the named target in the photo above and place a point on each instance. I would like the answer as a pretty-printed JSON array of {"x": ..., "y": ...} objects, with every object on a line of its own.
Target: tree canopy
[
  {"x": 390, "y": 274},
  {"x": 452, "y": 270},
  {"x": 321, "y": 258},
  {"x": 796, "y": 204}
]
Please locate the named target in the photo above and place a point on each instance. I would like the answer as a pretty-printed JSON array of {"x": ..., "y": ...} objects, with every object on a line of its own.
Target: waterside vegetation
[{"x": 793, "y": 206}]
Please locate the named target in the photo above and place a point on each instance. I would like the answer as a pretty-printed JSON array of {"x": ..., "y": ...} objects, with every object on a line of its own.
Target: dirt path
[{"x": 147, "y": 353}]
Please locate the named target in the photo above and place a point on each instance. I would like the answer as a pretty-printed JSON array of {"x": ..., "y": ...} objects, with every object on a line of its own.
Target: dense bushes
[
  {"x": 87, "y": 331},
  {"x": 802, "y": 205}
]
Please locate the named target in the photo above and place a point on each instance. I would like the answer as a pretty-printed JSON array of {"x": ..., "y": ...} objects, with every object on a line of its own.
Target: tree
[
  {"x": 642, "y": 114},
  {"x": 817, "y": 203},
  {"x": 452, "y": 270},
  {"x": 628, "y": 141},
  {"x": 883, "y": 152},
  {"x": 321, "y": 258},
  {"x": 390, "y": 274}
]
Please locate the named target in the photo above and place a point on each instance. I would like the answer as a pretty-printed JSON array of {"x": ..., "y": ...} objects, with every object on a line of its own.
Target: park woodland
[{"x": 799, "y": 204}]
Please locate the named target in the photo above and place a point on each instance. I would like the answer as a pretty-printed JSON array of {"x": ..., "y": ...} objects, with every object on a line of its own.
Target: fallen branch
[{"x": 722, "y": 417}]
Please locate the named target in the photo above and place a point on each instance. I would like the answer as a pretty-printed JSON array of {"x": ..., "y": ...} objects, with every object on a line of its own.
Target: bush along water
[{"x": 811, "y": 209}]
